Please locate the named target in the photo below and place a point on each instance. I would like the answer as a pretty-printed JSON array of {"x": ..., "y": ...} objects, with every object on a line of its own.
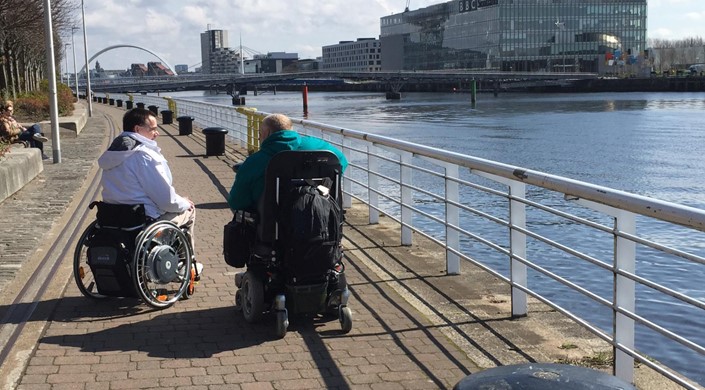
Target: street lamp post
[
  {"x": 66, "y": 69},
  {"x": 75, "y": 73},
  {"x": 89, "y": 98},
  {"x": 51, "y": 75}
]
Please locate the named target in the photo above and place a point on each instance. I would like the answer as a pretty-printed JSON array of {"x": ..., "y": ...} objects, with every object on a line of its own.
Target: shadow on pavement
[{"x": 192, "y": 334}]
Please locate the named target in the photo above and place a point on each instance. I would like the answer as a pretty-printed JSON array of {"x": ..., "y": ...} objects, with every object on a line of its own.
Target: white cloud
[{"x": 697, "y": 16}]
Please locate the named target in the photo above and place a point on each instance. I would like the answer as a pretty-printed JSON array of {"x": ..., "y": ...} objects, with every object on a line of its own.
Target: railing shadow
[{"x": 421, "y": 287}]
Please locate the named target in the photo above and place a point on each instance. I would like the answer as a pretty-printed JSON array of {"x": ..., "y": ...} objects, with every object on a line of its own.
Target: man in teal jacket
[{"x": 276, "y": 135}]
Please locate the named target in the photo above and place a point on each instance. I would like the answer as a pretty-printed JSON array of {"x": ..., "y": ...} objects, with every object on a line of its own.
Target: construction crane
[{"x": 407, "y": 6}]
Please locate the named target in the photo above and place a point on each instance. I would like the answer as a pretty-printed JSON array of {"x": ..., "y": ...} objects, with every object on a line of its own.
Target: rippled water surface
[{"x": 651, "y": 144}]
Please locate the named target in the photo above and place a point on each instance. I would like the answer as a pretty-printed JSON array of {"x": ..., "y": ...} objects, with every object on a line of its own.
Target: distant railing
[{"x": 522, "y": 225}]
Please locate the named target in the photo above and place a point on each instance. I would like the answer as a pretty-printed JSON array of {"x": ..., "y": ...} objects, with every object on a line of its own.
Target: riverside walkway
[{"x": 414, "y": 327}]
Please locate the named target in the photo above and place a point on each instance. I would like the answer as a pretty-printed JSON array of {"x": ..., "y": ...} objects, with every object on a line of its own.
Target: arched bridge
[{"x": 127, "y": 46}]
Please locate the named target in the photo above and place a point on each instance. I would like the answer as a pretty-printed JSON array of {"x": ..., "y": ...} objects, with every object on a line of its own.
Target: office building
[
  {"x": 181, "y": 68},
  {"x": 363, "y": 55},
  {"x": 517, "y": 35}
]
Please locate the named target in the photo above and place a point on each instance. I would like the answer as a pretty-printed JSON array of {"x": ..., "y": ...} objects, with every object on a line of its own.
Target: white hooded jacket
[{"x": 135, "y": 172}]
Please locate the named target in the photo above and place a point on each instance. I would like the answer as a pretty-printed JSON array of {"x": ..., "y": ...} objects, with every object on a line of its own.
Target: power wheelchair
[
  {"x": 277, "y": 280},
  {"x": 123, "y": 253}
]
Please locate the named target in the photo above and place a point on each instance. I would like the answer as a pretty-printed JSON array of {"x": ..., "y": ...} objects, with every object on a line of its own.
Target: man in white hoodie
[{"x": 135, "y": 172}]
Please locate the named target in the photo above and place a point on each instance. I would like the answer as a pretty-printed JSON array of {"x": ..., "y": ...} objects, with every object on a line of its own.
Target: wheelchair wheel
[
  {"x": 162, "y": 264},
  {"x": 82, "y": 273},
  {"x": 345, "y": 318},
  {"x": 252, "y": 297}
]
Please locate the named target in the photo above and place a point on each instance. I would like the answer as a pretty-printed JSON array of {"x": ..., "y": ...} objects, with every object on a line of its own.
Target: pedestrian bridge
[{"x": 330, "y": 78}]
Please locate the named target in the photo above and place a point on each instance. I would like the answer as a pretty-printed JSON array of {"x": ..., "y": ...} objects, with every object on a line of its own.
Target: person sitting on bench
[{"x": 13, "y": 132}]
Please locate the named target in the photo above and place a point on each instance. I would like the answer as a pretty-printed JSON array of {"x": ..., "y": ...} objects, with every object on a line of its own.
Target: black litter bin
[
  {"x": 154, "y": 110},
  {"x": 128, "y": 104},
  {"x": 140, "y": 105},
  {"x": 118, "y": 102},
  {"x": 112, "y": 102},
  {"x": 185, "y": 125},
  {"x": 95, "y": 98},
  {"x": 542, "y": 376},
  {"x": 215, "y": 140},
  {"x": 167, "y": 117}
]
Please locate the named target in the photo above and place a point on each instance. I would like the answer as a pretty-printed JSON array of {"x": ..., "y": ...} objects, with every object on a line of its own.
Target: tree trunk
[
  {"x": 17, "y": 75},
  {"x": 3, "y": 80},
  {"x": 11, "y": 70}
]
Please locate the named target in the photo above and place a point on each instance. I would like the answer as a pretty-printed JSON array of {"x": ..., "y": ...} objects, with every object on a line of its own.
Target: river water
[{"x": 646, "y": 143}]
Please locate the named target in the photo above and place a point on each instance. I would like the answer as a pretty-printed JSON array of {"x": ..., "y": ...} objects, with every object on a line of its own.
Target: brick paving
[{"x": 202, "y": 343}]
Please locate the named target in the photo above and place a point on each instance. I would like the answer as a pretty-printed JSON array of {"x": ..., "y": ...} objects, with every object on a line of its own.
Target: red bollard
[{"x": 305, "y": 97}]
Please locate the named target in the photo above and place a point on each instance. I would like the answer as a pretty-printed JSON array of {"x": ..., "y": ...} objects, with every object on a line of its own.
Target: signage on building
[{"x": 474, "y": 5}]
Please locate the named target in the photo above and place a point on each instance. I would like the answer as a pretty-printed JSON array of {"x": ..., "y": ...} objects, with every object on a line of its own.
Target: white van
[{"x": 698, "y": 69}]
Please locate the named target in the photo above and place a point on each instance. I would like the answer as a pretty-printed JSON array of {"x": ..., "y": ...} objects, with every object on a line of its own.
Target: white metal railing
[{"x": 533, "y": 230}]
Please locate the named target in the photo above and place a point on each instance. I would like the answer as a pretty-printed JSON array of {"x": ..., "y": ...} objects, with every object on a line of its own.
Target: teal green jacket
[{"x": 249, "y": 180}]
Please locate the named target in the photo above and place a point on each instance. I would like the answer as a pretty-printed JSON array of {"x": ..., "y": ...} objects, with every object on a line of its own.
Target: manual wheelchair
[
  {"x": 278, "y": 280},
  {"x": 123, "y": 253}
]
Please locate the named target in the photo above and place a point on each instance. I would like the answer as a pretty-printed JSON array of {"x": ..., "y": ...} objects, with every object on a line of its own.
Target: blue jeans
[{"x": 28, "y": 135}]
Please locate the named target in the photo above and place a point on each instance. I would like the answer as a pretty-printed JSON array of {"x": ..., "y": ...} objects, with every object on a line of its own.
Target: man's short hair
[
  {"x": 135, "y": 117},
  {"x": 277, "y": 122}
]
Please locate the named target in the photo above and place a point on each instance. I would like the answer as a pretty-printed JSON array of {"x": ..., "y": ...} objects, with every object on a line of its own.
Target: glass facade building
[{"x": 516, "y": 35}]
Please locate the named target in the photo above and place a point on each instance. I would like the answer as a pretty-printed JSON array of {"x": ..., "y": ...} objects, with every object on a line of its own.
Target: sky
[{"x": 172, "y": 28}]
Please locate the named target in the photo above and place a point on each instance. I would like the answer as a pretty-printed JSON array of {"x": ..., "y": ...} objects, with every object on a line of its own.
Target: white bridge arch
[{"x": 129, "y": 46}]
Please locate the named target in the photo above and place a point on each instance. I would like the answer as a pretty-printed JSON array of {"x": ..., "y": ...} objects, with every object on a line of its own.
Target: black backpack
[{"x": 311, "y": 230}]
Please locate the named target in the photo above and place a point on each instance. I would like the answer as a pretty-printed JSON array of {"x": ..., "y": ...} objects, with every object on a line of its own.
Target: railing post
[
  {"x": 347, "y": 184},
  {"x": 452, "y": 218},
  {"x": 406, "y": 196},
  {"x": 373, "y": 183},
  {"x": 256, "y": 122},
  {"x": 517, "y": 219},
  {"x": 624, "y": 287},
  {"x": 250, "y": 132}
]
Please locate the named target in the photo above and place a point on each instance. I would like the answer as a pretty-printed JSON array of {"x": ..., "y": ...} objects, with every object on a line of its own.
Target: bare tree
[{"x": 21, "y": 27}]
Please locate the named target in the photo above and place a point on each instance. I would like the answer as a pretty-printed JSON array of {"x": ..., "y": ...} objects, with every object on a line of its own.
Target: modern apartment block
[
  {"x": 215, "y": 54},
  {"x": 363, "y": 55},
  {"x": 517, "y": 35}
]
